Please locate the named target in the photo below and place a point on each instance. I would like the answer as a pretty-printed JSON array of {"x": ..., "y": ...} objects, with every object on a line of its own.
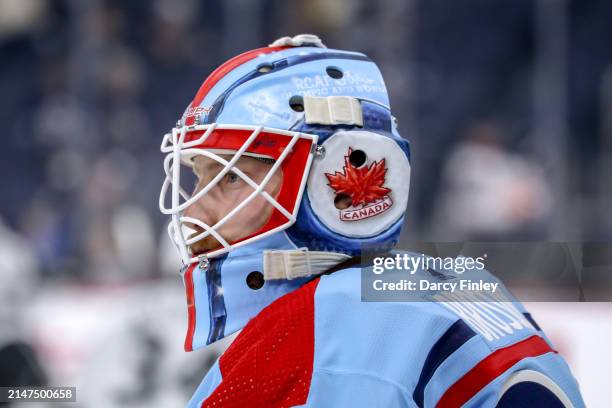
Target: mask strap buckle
[
  {"x": 297, "y": 263},
  {"x": 333, "y": 110}
]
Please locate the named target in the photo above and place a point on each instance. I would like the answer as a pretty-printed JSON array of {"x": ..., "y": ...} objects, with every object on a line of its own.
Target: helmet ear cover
[{"x": 357, "y": 190}]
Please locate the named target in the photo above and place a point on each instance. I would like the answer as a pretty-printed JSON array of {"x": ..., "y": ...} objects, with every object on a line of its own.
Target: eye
[{"x": 231, "y": 178}]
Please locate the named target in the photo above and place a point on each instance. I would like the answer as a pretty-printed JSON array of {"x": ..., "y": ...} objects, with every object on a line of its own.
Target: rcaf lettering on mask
[{"x": 360, "y": 191}]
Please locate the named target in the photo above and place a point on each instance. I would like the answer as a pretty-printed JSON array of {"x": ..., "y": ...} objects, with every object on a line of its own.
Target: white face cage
[{"x": 177, "y": 151}]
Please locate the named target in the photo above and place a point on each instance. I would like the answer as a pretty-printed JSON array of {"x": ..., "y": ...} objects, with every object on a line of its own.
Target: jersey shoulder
[
  {"x": 295, "y": 350},
  {"x": 448, "y": 351}
]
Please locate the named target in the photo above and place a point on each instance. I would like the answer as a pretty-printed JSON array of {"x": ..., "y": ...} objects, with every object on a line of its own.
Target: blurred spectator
[
  {"x": 488, "y": 193},
  {"x": 18, "y": 285}
]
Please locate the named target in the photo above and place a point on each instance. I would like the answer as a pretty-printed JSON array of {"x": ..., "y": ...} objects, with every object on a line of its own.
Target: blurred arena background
[{"x": 507, "y": 104}]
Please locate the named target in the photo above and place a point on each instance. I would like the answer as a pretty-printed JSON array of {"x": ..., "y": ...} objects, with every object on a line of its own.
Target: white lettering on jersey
[{"x": 493, "y": 317}]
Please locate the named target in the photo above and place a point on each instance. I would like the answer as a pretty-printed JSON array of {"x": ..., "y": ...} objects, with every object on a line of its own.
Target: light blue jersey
[{"x": 390, "y": 354}]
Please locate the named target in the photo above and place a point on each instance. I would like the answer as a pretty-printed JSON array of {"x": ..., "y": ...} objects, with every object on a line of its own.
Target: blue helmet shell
[{"x": 262, "y": 91}]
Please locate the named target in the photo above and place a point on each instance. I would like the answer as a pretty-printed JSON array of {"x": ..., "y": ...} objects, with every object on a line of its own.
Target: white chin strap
[{"x": 296, "y": 263}]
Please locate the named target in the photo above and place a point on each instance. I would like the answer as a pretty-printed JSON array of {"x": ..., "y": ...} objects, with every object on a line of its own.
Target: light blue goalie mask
[{"x": 321, "y": 117}]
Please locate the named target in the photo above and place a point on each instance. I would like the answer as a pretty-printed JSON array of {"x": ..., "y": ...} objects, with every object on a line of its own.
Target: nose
[{"x": 204, "y": 211}]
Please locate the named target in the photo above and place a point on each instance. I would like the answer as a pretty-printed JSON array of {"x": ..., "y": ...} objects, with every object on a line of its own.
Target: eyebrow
[
  {"x": 214, "y": 165},
  {"x": 210, "y": 167}
]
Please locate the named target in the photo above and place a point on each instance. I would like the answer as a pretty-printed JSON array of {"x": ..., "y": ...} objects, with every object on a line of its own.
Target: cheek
[
  {"x": 248, "y": 220},
  {"x": 260, "y": 205},
  {"x": 231, "y": 198},
  {"x": 253, "y": 216},
  {"x": 258, "y": 209}
]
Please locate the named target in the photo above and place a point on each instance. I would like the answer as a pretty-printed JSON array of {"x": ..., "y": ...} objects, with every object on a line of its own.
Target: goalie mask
[{"x": 302, "y": 137}]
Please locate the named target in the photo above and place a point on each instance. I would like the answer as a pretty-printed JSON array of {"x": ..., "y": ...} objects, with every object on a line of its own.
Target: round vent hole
[
  {"x": 342, "y": 201},
  {"x": 296, "y": 102},
  {"x": 334, "y": 72},
  {"x": 357, "y": 158},
  {"x": 255, "y": 280}
]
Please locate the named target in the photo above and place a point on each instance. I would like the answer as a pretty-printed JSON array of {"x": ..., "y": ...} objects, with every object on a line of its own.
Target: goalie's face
[
  {"x": 226, "y": 195},
  {"x": 249, "y": 183}
]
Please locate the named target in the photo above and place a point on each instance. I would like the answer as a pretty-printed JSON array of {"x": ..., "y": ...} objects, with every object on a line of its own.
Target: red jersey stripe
[
  {"x": 490, "y": 368},
  {"x": 270, "y": 363}
]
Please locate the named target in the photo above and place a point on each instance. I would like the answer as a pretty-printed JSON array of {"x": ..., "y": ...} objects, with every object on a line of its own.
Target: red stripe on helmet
[
  {"x": 223, "y": 70},
  {"x": 191, "y": 311}
]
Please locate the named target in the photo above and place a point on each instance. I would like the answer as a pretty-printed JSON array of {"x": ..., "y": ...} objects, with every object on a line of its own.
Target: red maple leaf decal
[{"x": 363, "y": 185}]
